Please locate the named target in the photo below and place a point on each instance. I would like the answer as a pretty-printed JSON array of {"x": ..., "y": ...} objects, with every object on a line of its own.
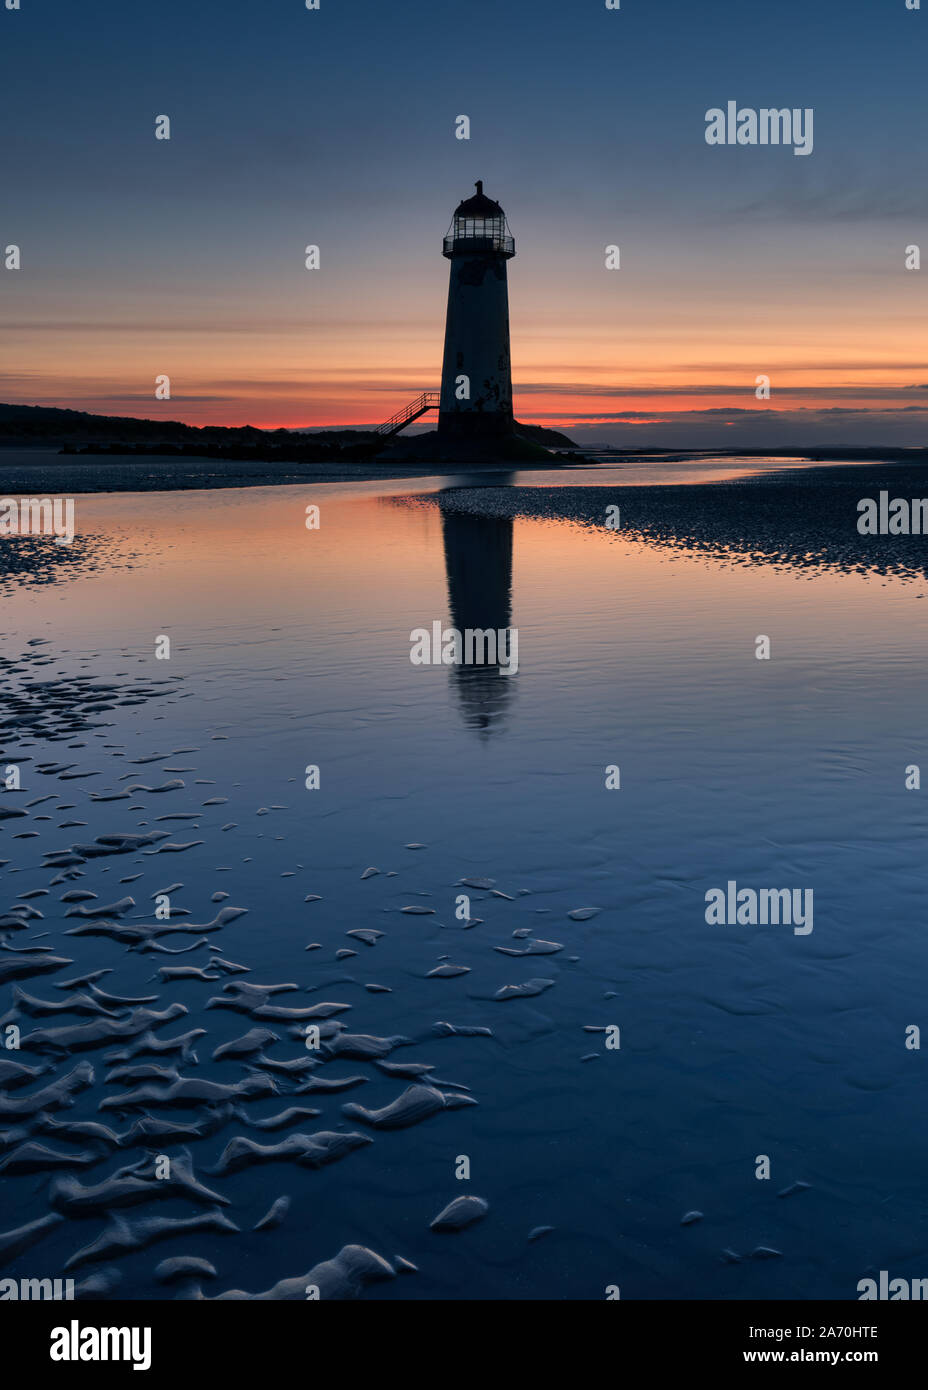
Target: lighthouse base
[
  {"x": 526, "y": 446},
  {"x": 475, "y": 424}
]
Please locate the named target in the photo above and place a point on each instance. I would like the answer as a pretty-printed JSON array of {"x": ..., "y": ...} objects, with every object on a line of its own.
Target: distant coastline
[
  {"x": 77, "y": 432},
  {"x": 45, "y": 449}
]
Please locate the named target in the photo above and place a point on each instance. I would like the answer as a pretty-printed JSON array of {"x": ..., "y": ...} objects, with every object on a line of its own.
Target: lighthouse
[{"x": 476, "y": 373}]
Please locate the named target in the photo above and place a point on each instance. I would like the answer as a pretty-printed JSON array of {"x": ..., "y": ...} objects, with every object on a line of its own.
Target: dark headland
[
  {"x": 46, "y": 449},
  {"x": 74, "y": 451}
]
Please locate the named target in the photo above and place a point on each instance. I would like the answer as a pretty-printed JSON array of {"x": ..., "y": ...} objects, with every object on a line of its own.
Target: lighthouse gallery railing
[{"x": 497, "y": 242}]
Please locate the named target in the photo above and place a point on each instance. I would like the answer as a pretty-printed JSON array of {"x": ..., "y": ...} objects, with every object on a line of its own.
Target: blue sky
[{"x": 336, "y": 127}]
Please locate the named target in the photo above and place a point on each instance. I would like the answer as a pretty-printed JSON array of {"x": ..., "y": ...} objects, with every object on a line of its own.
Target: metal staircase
[{"x": 427, "y": 401}]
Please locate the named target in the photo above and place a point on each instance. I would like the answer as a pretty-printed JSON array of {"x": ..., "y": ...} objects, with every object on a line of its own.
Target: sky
[{"x": 336, "y": 127}]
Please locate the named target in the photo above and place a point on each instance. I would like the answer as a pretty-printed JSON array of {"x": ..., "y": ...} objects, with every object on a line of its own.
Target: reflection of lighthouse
[
  {"x": 476, "y": 374},
  {"x": 478, "y": 564}
]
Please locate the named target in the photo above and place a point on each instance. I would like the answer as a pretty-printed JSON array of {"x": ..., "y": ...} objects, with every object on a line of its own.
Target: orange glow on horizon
[{"x": 644, "y": 358}]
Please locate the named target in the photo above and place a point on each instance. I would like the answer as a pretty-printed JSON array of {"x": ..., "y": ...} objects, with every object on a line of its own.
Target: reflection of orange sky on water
[{"x": 231, "y": 575}]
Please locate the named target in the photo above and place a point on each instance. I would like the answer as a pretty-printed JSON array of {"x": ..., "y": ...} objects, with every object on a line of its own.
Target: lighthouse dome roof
[{"x": 479, "y": 205}]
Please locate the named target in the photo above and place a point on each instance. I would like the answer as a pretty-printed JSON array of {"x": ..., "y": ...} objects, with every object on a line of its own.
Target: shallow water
[{"x": 291, "y": 647}]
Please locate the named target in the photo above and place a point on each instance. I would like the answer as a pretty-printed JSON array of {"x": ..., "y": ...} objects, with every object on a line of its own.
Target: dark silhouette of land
[
  {"x": 73, "y": 451},
  {"x": 80, "y": 432}
]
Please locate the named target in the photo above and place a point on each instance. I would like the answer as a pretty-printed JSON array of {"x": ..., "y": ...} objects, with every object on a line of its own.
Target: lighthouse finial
[{"x": 479, "y": 186}]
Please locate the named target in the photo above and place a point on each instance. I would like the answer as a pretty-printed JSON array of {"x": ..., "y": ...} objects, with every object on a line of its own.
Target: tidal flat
[{"x": 456, "y": 911}]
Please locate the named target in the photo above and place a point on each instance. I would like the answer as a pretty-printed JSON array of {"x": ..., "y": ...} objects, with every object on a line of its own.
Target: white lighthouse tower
[{"x": 476, "y": 373}]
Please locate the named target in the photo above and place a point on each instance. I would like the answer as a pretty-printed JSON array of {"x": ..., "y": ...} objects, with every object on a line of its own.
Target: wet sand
[
  {"x": 132, "y": 1058},
  {"x": 33, "y": 472},
  {"x": 801, "y": 517},
  {"x": 148, "y": 1034}
]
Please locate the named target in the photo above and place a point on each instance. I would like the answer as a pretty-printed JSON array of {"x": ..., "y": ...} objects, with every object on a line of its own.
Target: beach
[{"x": 473, "y": 885}]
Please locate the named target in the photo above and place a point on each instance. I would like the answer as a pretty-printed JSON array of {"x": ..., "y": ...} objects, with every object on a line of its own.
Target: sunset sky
[{"x": 336, "y": 127}]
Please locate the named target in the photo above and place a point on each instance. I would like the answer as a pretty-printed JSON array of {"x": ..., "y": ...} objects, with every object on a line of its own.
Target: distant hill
[
  {"x": 79, "y": 432},
  {"x": 39, "y": 424}
]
